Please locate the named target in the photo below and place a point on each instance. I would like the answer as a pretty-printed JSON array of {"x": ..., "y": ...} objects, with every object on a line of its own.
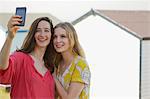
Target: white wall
[
  {"x": 146, "y": 69},
  {"x": 2, "y": 37},
  {"x": 18, "y": 40},
  {"x": 113, "y": 56}
]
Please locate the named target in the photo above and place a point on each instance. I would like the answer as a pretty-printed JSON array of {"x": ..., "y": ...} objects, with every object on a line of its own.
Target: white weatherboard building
[
  {"x": 117, "y": 53},
  {"x": 145, "y": 68}
]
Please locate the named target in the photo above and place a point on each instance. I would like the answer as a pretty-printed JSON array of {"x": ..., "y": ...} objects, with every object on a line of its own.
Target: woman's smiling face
[
  {"x": 43, "y": 34},
  {"x": 61, "y": 40}
]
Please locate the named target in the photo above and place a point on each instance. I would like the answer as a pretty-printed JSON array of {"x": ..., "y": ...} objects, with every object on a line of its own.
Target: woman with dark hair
[{"x": 29, "y": 69}]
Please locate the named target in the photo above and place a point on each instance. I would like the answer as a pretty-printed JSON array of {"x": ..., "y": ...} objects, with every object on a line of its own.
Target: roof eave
[{"x": 95, "y": 12}]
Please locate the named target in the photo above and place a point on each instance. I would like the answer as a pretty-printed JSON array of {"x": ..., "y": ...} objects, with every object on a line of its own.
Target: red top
[{"x": 25, "y": 80}]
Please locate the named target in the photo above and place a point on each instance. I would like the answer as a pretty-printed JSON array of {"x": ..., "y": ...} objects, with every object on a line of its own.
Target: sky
[{"x": 69, "y": 10}]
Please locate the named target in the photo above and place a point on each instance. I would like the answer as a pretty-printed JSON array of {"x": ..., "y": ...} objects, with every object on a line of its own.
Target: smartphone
[{"x": 21, "y": 11}]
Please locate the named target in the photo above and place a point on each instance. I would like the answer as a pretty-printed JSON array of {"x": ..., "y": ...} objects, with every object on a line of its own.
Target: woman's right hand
[{"x": 12, "y": 25}]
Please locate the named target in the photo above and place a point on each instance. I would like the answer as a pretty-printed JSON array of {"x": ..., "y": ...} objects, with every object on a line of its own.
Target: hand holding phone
[{"x": 21, "y": 11}]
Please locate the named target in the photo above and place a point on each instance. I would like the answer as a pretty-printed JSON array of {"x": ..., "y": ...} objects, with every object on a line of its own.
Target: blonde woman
[{"x": 72, "y": 77}]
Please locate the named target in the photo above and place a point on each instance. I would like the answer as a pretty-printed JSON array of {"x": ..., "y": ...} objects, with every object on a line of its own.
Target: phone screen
[{"x": 21, "y": 11}]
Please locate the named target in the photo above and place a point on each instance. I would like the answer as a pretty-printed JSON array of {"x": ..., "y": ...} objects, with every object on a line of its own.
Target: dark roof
[{"x": 135, "y": 22}]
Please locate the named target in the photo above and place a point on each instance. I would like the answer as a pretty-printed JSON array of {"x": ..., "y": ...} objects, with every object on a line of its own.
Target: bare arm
[
  {"x": 73, "y": 92},
  {"x": 5, "y": 51}
]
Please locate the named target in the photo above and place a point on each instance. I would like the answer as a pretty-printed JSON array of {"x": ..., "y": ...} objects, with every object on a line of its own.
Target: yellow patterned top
[{"x": 78, "y": 71}]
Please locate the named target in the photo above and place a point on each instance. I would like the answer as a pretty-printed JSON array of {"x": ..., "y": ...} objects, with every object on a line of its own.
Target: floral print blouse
[{"x": 78, "y": 71}]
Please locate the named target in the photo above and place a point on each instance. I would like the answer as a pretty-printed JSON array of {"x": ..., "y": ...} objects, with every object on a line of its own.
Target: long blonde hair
[{"x": 73, "y": 39}]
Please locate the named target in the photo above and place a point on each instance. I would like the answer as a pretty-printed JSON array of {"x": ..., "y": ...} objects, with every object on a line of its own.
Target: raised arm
[{"x": 5, "y": 51}]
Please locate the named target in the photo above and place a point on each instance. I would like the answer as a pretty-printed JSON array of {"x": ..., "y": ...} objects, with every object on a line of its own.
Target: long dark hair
[{"x": 29, "y": 43}]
